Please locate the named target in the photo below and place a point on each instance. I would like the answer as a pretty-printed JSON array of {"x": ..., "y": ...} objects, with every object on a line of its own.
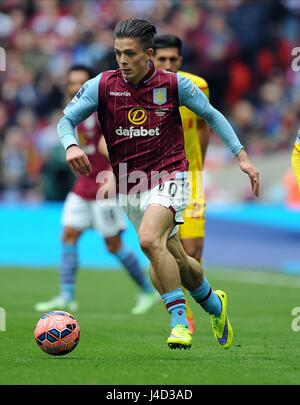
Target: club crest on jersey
[{"x": 160, "y": 95}]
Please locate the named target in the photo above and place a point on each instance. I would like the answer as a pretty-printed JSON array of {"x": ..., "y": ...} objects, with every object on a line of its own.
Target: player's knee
[
  {"x": 149, "y": 244},
  {"x": 113, "y": 244},
  {"x": 70, "y": 235}
]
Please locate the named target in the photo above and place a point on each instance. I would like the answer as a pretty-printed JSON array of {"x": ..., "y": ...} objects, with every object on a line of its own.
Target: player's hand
[
  {"x": 78, "y": 161},
  {"x": 247, "y": 167}
]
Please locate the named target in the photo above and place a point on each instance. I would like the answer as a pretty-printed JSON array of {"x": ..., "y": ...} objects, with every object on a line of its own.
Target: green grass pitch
[{"x": 118, "y": 348}]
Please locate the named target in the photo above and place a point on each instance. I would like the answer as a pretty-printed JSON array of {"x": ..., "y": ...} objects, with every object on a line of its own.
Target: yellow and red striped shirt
[{"x": 189, "y": 123}]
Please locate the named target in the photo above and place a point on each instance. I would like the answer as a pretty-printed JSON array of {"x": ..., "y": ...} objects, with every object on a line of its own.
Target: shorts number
[
  {"x": 172, "y": 189},
  {"x": 161, "y": 186},
  {"x": 195, "y": 210}
]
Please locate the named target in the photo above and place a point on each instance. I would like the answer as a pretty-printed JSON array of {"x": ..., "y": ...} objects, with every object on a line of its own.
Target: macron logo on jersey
[
  {"x": 120, "y": 93},
  {"x": 133, "y": 132}
]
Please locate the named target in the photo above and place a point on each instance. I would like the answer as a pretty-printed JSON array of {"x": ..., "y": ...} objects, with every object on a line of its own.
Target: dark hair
[
  {"x": 143, "y": 30},
  {"x": 84, "y": 68},
  {"x": 167, "y": 41}
]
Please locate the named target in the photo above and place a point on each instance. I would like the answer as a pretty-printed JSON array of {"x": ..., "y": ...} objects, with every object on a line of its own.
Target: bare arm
[
  {"x": 78, "y": 161},
  {"x": 102, "y": 147},
  {"x": 247, "y": 167}
]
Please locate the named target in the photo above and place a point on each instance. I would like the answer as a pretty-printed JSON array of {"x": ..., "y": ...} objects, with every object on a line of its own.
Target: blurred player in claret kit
[
  {"x": 167, "y": 55},
  {"x": 138, "y": 109},
  {"x": 296, "y": 159},
  {"x": 82, "y": 211}
]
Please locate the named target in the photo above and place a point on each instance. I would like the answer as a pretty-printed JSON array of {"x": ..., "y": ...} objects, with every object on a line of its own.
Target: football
[{"x": 57, "y": 332}]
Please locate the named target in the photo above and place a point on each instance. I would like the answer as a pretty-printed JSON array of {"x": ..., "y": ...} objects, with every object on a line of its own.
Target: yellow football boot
[
  {"x": 180, "y": 338},
  {"x": 221, "y": 326}
]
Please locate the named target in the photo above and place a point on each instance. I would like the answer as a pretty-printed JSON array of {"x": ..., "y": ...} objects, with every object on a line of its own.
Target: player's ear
[{"x": 149, "y": 53}]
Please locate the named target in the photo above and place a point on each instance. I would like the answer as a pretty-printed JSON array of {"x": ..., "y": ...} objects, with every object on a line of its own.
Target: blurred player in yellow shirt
[
  {"x": 296, "y": 159},
  {"x": 167, "y": 55}
]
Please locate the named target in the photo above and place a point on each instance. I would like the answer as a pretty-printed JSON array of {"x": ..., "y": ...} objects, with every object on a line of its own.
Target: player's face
[
  {"x": 76, "y": 79},
  {"x": 168, "y": 59},
  {"x": 132, "y": 58}
]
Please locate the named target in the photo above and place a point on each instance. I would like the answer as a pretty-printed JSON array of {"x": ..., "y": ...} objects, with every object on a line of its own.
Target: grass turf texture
[{"x": 118, "y": 348}]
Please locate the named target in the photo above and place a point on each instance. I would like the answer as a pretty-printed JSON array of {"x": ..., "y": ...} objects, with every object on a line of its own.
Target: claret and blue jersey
[{"x": 142, "y": 124}]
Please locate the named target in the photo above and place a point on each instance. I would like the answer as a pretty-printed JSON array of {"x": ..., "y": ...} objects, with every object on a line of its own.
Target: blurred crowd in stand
[{"x": 243, "y": 48}]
